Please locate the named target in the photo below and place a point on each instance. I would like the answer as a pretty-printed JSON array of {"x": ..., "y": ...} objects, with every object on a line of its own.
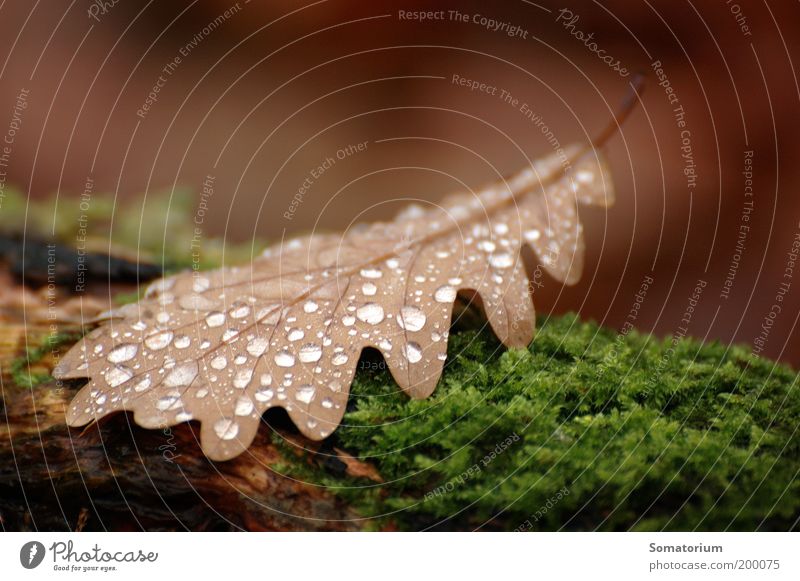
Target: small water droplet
[
  {"x": 503, "y": 260},
  {"x": 371, "y": 273},
  {"x": 123, "y": 353},
  {"x": 244, "y": 407},
  {"x": 201, "y": 284},
  {"x": 339, "y": 359},
  {"x": 370, "y": 313},
  {"x": 295, "y": 335},
  {"x": 369, "y": 289},
  {"x": 257, "y": 346},
  {"x": 182, "y": 374},
  {"x": 219, "y": 362},
  {"x": 445, "y": 294},
  {"x": 310, "y": 307},
  {"x": 215, "y": 319},
  {"x": 169, "y": 402},
  {"x": 310, "y": 353},
  {"x": 158, "y": 341},
  {"x": 348, "y": 320},
  {"x": 182, "y": 342},
  {"x": 143, "y": 385},
  {"x": 239, "y": 311},
  {"x": 305, "y": 394},
  {"x": 327, "y": 403},
  {"x": 118, "y": 375},
  {"x": 242, "y": 378},
  {"x": 264, "y": 395},
  {"x": 284, "y": 359}
]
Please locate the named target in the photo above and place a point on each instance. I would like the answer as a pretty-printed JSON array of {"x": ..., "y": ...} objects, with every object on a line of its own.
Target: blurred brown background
[{"x": 267, "y": 91}]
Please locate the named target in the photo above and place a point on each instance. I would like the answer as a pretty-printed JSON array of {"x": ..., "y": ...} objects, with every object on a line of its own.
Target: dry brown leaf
[{"x": 222, "y": 347}]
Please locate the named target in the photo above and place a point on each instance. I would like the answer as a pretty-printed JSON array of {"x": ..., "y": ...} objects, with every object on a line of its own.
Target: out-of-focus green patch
[
  {"x": 22, "y": 369},
  {"x": 158, "y": 228}
]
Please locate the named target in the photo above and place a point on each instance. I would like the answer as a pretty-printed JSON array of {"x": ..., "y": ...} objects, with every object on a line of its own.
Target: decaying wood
[{"x": 115, "y": 475}]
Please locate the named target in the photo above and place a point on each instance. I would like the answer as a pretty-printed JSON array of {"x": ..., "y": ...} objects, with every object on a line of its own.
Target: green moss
[
  {"x": 587, "y": 429},
  {"x": 20, "y": 368}
]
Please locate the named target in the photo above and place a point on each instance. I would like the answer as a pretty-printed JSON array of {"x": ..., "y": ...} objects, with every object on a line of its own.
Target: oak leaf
[{"x": 221, "y": 347}]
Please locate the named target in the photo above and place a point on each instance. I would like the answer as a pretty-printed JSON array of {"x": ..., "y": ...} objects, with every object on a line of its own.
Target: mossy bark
[{"x": 587, "y": 429}]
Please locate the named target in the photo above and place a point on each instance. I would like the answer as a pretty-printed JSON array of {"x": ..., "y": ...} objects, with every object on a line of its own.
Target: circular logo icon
[{"x": 31, "y": 554}]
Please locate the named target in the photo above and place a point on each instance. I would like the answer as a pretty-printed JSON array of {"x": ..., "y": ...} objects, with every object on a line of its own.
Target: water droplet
[
  {"x": 239, "y": 311},
  {"x": 487, "y": 246},
  {"x": 182, "y": 374},
  {"x": 339, "y": 359},
  {"x": 503, "y": 260},
  {"x": 501, "y": 228},
  {"x": 215, "y": 319},
  {"x": 532, "y": 235},
  {"x": 183, "y": 416},
  {"x": 310, "y": 307},
  {"x": 230, "y": 335},
  {"x": 169, "y": 402},
  {"x": 122, "y": 353},
  {"x": 284, "y": 359},
  {"x": 445, "y": 294},
  {"x": 310, "y": 353},
  {"x": 369, "y": 289},
  {"x": 295, "y": 335},
  {"x": 143, "y": 385},
  {"x": 195, "y": 303},
  {"x": 118, "y": 375},
  {"x": 226, "y": 429},
  {"x": 413, "y": 352},
  {"x": 411, "y": 319},
  {"x": 370, "y": 313},
  {"x": 201, "y": 284},
  {"x": 385, "y": 345},
  {"x": 327, "y": 403},
  {"x": 162, "y": 317},
  {"x": 371, "y": 273},
  {"x": 265, "y": 379},
  {"x": 244, "y": 407},
  {"x": 242, "y": 379},
  {"x": 348, "y": 320},
  {"x": 182, "y": 342},
  {"x": 257, "y": 346},
  {"x": 219, "y": 362},
  {"x": 305, "y": 394},
  {"x": 158, "y": 341},
  {"x": 264, "y": 395}
]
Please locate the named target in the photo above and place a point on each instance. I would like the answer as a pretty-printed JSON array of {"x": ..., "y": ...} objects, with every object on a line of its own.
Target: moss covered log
[{"x": 587, "y": 429}]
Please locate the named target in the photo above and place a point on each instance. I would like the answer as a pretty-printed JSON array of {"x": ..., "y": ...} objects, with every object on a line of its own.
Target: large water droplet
[
  {"x": 411, "y": 319},
  {"x": 143, "y": 385},
  {"x": 226, "y": 429},
  {"x": 295, "y": 335},
  {"x": 123, "y": 353},
  {"x": 370, "y": 313},
  {"x": 158, "y": 341},
  {"x": 195, "y": 303},
  {"x": 413, "y": 352},
  {"x": 310, "y": 353}
]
